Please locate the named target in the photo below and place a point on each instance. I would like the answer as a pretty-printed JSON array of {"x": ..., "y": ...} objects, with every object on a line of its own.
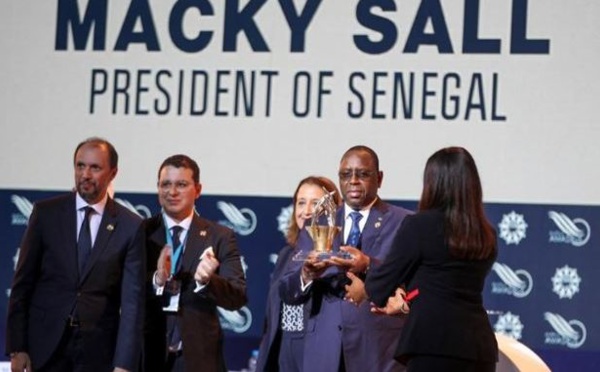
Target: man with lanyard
[{"x": 193, "y": 266}]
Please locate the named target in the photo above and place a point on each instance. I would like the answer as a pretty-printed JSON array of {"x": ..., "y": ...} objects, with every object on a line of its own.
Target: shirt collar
[
  {"x": 185, "y": 223},
  {"x": 365, "y": 211},
  {"x": 98, "y": 207}
]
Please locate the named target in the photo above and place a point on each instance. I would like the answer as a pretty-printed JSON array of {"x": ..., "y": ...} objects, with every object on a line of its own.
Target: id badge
[{"x": 171, "y": 295}]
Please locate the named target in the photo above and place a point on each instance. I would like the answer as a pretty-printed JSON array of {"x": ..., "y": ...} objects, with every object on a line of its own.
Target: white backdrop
[{"x": 535, "y": 141}]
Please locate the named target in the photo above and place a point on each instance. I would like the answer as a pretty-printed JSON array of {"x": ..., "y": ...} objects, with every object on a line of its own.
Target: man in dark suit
[
  {"x": 76, "y": 302},
  {"x": 193, "y": 266},
  {"x": 341, "y": 336}
]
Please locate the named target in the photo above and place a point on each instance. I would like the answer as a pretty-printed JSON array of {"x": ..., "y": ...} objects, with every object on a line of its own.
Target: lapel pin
[
  {"x": 110, "y": 227},
  {"x": 377, "y": 224},
  {"x": 203, "y": 233}
]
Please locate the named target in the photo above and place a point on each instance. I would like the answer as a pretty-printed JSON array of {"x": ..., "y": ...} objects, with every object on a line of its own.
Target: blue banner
[{"x": 539, "y": 291}]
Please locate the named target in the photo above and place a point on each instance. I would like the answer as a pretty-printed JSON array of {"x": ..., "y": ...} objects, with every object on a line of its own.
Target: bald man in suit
[{"x": 77, "y": 296}]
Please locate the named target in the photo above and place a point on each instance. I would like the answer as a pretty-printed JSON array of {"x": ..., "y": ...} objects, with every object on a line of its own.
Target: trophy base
[{"x": 321, "y": 256}]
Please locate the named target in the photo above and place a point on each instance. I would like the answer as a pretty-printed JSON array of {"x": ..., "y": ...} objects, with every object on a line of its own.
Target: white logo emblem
[
  {"x": 517, "y": 283},
  {"x": 571, "y": 333},
  {"x": 25, "y": 208},
  {"x": 509, "y": 325},
  {"x": 240, "y": 320},
  {"x": 565, "y": 282},
  {"x": 512, "y": 228},
  {"x": 570, "y": 232},
  {"x": 237, "y": 321},
  {"x": 242, "y": 221},
  {"x": 140, "y": 210},
  {"x": 284, "y": 218}
]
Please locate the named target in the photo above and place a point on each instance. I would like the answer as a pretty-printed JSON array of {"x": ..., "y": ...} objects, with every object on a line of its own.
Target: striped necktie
[{"x": 354, "y": 236}]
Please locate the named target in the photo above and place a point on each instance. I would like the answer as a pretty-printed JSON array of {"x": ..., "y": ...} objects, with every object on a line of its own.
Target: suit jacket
[
  {"x": 198, "y": 318},
  {"x": 107, "y": 297},
  {"x": 447, "y": 317},
  {"x": 368, "y": 341},
  {"x": 268, "y": 355}
]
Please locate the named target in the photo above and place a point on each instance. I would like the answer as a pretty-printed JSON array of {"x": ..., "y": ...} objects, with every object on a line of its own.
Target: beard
[{"x": 88, "y": 191}]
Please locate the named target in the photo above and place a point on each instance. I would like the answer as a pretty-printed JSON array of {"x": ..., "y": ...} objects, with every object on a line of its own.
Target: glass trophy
[{"x": 323, "y": 230}]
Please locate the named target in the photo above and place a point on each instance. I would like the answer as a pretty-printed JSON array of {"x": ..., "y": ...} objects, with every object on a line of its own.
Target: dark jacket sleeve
[
  {"x": 399, "y": 265},
  {"x": 133, "y": 293},
  {"x": 25, "y": 277},
  {"x": 228, "y": 286}
]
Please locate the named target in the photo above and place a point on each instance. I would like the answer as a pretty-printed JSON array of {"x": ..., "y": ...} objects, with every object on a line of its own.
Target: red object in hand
[{"x": 412, "y": 294}]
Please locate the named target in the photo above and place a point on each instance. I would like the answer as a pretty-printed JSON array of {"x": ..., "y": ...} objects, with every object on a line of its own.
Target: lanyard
[{"x": 176, "y": 251}]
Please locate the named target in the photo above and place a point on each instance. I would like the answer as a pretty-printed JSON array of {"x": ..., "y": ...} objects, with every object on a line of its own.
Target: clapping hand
[
  {"x": 207, "y": 267},
  {"x": 163, "y": 266}
]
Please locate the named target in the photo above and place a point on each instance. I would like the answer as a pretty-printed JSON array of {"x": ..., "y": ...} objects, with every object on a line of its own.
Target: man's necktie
[
  {"x": 84, "y": 242},
  {"x": 173, "y": 333},
  {"x": 354, "y": 236},
  {"x": 175, "y": 234}
]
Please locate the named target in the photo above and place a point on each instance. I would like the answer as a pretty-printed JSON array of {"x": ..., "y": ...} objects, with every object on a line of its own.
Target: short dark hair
[
  {"x": 113, "y": 157},
  {"x": 182, "y": 161},
  {"x": 366, "y": 149}
]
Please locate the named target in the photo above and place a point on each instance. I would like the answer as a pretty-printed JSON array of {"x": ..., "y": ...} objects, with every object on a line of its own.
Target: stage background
[{"x": 264, "y": 93}]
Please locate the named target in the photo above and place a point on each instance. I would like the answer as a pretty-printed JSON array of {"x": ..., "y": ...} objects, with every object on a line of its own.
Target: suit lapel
[
  {"x": 195, "y": 244},
  {"x": 371, "y": 233},
  {"x": 157, "y": 226},
  {"x": 107, "y": 227},
  {"x": 338, "y": 241}
]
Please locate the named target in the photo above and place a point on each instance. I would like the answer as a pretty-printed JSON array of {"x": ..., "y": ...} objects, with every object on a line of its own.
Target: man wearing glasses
[
  {"x": 341, "y": 336},
  {"x": 193, "y": 266}
]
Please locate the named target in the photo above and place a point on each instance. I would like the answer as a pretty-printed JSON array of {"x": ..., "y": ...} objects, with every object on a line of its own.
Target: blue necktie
[
  {"x": 354, "y": 236},
  {"x": 176, "y": 233},
  {"x": 84, "y": 242},
  {"x": 173, "y": 333}
]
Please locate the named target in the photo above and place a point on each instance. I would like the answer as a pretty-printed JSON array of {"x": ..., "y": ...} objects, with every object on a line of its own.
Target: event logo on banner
[
  {"x": 517, "y": 283},
  {"x": 140, "y": 209},
  {"x": 25, "y": 208},
  {"x": 572, "y": 333},
  {"x": 565, "y": 282},
  {"x": 238, "y": 321},
  {"x": 510, "y": 325},
  {"x": 575, "y": 231},
  {"x": 284, "y": 219},
  {"x": 242, "y": 221},
  {"x": 513, "y": 228}
]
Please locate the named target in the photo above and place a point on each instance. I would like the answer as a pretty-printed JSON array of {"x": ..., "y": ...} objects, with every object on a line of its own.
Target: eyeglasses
[
  {"x": 166, "y": 186},
  {"x": 361, "y": 174}
]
